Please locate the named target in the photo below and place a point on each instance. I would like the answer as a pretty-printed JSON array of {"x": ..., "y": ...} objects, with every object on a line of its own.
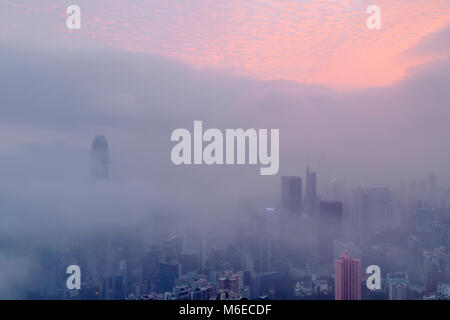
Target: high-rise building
[
  {"x": 169, "y": 271},
  {"x": 413, "y": 260},
  {"x": 397, "y": 283},
  {"x": 291, "y": 194},
  {"x": 355, "y": 216},
  {"x": 228, "y": 280},
  {"x": 330, "y": 227},
  {"x": 347, "y": 278},
  {"x": 311, "y": 191},
  {"x": 99, "y": 157},
  {"x": 150, "y": 265},
  {"x": 260, "y": 251}
]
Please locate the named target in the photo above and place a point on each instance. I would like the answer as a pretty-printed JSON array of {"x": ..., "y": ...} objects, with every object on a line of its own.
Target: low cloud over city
[{"x": 86, "y": 176}]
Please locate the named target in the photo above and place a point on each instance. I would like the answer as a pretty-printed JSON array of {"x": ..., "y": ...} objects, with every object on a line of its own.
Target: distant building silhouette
[
  {"x": 311, "y": 191},
  {"x": 414, "y": 260},
  {"x": 331, "y": 216},
  {"x": 99, "y": 157},
  {"x": 291, "y": 194},
  {"x": 169, "y": 271}
]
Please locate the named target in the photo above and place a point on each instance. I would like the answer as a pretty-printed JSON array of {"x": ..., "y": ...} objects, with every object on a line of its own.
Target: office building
[
  {"x": 291, "y": 194},
  {"x": 347, "y": 278}
]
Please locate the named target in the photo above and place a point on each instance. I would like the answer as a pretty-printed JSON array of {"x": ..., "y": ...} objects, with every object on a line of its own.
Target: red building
[{"x": 347, "y": 278}]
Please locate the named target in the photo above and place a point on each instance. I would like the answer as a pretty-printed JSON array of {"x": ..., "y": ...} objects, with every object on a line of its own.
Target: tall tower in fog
[
  {"x": 291, "y": 194},
  {"x": 330, "y": 228},
  {"x": 99, "y": 157},
  {"x": 414, "y": 260},
  {"x": 347, "y": 278},
  {"x": 311, "y": 191}
]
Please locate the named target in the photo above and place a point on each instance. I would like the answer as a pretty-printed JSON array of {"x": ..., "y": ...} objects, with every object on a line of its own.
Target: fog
[{"x": 53, "y": 102}]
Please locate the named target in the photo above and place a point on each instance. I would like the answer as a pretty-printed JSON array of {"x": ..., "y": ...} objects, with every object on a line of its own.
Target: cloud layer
[{"x": 322, "y": 42}]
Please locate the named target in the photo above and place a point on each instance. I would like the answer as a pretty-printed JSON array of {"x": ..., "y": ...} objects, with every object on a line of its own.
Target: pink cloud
[{"x": 324, "y": 42}]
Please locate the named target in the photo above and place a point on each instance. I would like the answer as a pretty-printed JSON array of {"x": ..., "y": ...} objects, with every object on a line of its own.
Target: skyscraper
[
  {"x": 347, "y": 278},
  {"x": 169, "y": 271},
  {"x": 291, "y": 194},
  {"x": 330, "y": 227},
  {"x": 99, "y": 157},
  {"x": 228, "y": 280},
  {"x": 355, "y": 218},
  {"x": 260, "y": 250},
  {"x": 413, "y": 260},
  {"x": 311, "y": 191}
]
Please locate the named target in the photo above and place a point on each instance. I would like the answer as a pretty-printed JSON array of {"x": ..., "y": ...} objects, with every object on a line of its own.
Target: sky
[
  {"x": 365, "y": 106},
  {"x": 314, "y": 41},
  {"x": 360, "y": 106}
]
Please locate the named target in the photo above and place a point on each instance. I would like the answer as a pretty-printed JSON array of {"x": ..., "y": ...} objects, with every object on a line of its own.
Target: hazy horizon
[{"x": 372, "y": 109}]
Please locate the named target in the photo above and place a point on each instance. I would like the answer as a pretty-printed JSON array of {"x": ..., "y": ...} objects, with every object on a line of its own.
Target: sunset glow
[{"x": 322, "y": 42}]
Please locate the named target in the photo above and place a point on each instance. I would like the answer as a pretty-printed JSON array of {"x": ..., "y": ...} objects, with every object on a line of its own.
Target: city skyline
[
  {"x": 209, "y": 150},
  {"x": 123, "y": 263}
]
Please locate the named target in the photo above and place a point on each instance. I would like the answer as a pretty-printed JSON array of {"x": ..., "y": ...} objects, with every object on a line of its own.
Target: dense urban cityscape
[
  {"x": 225, "y": 159},
  {"x": 305, "y": 247}
]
